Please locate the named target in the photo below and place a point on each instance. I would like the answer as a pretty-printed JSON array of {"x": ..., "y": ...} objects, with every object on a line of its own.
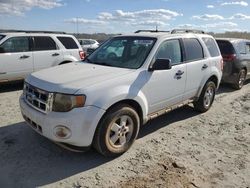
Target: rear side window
[
  {"x": 1, "y": 37},
  {"x": 211, "y": 46},
  {"x": 68, "y": 42},
  {"x": 226, "y": 48},
  {"x": 248, "y": 48},
  {"x": 193, "y": 49},
  {"x": 44, "y": 43},
  {"x": 15, "y": 44}
]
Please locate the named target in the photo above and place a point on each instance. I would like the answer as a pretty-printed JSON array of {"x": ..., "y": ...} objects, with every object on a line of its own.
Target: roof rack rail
[
  {"x": 151, "y": 31},
  {"x": 31, "y": 31},
  {"x": 187, "y": 31}
]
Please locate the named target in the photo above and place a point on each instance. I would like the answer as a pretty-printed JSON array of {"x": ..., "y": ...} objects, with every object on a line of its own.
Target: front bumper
[{"x": 82, "y": 123}]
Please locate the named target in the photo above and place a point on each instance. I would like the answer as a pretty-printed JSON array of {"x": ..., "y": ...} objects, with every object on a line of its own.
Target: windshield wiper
[
  {"x": 88, "y": 60},
  {"x": 103, "y": 63}
]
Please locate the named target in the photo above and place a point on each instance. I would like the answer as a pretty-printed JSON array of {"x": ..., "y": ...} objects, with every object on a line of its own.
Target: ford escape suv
[
  {"x": 236, "y": 56},
  {"x": 104, "y": 100},
  {"x": 24, "y": 52}
]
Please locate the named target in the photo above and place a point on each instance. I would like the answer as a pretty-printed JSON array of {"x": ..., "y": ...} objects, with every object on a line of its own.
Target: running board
[{"x": 168, "y": 109}]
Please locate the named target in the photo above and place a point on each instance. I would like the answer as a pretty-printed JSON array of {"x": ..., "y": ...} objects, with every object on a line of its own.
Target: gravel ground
[{"x": 180, "y": 149}]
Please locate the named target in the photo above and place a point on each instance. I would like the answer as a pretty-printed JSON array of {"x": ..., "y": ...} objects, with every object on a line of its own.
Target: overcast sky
[{"x": 123, "y": 16}]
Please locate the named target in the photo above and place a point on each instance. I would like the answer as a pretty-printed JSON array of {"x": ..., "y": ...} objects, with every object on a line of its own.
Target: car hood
[{"x": 69, "y": 78}]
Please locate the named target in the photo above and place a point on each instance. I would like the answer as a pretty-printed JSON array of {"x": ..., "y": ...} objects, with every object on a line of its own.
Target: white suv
[
  {"x": 104, "y": 100},
  {"x": 24, "y": 52}
]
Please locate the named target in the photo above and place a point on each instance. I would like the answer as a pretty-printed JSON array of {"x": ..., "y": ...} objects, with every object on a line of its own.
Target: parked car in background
[
  {"x": 88, "y": 45},
  {"x": 104, "y": 100},
  {"x": 236, "y": 56},
  {"x": 24, "y": 52}
]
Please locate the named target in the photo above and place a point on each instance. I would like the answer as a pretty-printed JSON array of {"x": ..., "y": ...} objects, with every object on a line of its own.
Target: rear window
[
  {"x": 226, "y": 47},
  {"x": 193, "y": 49},
  {"x": 44, "y": 43},
  {"x": 68, "y": 42},
  {"x": 211, "y": 46}
]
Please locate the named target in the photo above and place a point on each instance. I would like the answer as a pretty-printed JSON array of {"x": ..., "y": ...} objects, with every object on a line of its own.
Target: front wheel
[
  {"x": 206, "y": 98},
  {"x": 117, "y": 131}
]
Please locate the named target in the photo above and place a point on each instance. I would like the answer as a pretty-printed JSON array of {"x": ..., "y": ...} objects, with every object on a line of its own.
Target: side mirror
[
  {"x": 2, "y": 50},
  {"x": 161, "y": 64}
]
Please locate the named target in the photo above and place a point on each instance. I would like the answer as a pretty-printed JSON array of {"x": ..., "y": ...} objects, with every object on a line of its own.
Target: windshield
[
  {"x": 1, "y": 37},
  {"x": 124, "y": 52}
]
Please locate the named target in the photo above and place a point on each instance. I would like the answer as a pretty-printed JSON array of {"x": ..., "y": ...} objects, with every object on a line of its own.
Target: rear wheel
[
  {"x": 240, "y": 79},
  {"x": 117, "y": 131},
  {"x": 206, "y": 98}
]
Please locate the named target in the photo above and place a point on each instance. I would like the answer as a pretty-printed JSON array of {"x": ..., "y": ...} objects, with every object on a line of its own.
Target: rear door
[
  {"x": 72, "y": 50},
  {"x": 16, "y": 59},
  {"x": 197, "y": 66},
  {"x": 45, "y": 52}
]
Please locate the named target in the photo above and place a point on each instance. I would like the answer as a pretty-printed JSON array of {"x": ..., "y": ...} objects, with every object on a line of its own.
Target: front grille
[{"x": 39, "y": 99}]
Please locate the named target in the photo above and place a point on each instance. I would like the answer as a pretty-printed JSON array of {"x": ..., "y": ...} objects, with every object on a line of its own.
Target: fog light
[{"x": 61, "y": 131}]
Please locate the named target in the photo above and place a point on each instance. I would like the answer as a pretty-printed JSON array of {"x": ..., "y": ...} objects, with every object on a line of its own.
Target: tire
[
  {"x": 206, "y": 98},
  {"x": 240, "y": 79},
  {"x": 117, "y": 131}
]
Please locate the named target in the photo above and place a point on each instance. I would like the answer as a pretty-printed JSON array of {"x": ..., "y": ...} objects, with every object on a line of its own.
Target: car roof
[
  {"x": 160, "y": 35},
  {"x": 33, "y": 34}
]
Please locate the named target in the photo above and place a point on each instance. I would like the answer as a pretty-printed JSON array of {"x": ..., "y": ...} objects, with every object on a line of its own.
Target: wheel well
[
  {"x": 135, "y": 105},
  {"x": 65, "y": 62},
  {"x": 214, "y": 79},
  {"x": 245, "y": 69}
]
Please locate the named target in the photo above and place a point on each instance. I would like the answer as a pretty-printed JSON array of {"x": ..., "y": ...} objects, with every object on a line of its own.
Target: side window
[
  {"x": 87, "y": 42},
  {"x": 15, "y": 44},
  {"x": 248, "y": 48},
  {"x": 1, "y": 37},
  {"x": 44, "y": 43},
  {"x": 170, "y": 49},
  {"x": 68, "y": 42},
  {"x": 193, "y": 49},
  {"x": 211, "y": 46},
  {"x": 240, "y": 47},
  {"x": 80, "y": 41}
]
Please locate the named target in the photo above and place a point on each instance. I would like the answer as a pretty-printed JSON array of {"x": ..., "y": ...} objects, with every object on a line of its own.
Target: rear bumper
[{"x": 82, "y": 123}]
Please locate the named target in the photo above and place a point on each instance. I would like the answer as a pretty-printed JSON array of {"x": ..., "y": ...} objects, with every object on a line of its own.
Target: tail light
[
  {"x": 221, "y": 64},
  {"x": 82, "y": 54},
  {"x": 229, "y": 57}
]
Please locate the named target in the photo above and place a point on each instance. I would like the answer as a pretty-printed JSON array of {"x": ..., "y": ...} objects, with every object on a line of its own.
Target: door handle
[
  {"x": 204, "y": 66},
  {"x": 55, "y": 54},
  {"x": 24, "y": 57},
  {"x": 179, "y": 73}
]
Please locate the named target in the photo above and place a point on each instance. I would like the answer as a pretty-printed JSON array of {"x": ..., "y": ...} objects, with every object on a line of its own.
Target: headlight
[{"x": 65, "y": 103}]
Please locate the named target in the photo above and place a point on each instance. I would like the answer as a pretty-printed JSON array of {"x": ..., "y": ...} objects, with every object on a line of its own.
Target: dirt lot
[{"x": 180, "y": 149}]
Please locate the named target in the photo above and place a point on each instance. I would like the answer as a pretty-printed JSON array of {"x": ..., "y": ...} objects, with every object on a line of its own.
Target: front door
[
  {"x": 16, "y": 59},
  {"x": 166, "y": 87}
]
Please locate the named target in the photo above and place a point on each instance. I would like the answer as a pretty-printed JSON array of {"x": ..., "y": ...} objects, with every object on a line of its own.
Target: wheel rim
[
  {"x": 241, "y": 78},
  {"x": 208, "y": 97},
  {"x": 120, "y": 131}
]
